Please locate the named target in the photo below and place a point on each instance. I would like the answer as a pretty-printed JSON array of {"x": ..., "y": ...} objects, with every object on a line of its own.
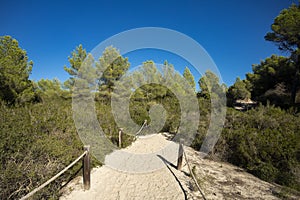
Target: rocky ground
[{"x": 146, "y": 170}]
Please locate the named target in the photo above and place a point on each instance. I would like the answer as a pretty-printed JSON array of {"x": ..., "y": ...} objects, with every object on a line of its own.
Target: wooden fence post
[
  {"x": 180, "y": 155},
  {"x": 120, "y": 137},
  {"x": 86, "y": 169}
]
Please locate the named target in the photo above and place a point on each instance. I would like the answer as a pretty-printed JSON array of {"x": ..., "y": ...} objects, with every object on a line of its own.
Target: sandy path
[
  {"x": 143, "y": 175},
  {"x": 140, "y": 174}
]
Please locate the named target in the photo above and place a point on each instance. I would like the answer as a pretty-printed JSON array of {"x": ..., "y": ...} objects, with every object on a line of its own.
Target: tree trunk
[{"x": 296, "y": 81}]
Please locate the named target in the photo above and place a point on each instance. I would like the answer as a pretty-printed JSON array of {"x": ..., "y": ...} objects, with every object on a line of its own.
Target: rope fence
[
  {"x": 86, "y": 173},
  {"x": 86, "y": 166},
  {"x": 182, "y": 153},
  {"x": 136, "y": 134}
]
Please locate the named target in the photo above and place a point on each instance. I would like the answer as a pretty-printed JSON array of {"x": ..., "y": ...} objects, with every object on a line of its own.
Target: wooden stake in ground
[
  {"x": 120, "y": 137},
  {"x": 86, "y": 169},
  {"x": 180, "y": 154}
]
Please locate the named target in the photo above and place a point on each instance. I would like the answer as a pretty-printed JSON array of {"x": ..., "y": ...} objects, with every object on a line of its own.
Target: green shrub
[
  {"x": 265, "y": 141},
  {"x": 36, "y": 142}
]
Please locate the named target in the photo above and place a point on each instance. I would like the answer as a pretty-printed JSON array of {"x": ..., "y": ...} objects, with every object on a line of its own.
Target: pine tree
[
  {"x": 51, "y": 88},
  {"x": 110, "y": 68},
  {"x": 239, "y": 90},
  {"x": 15, "y": 86},
  {"x": 189, "y": 77},
  {"x": 210, "y": 86},
  {"x": 82, "y": 72},
  {"x": 76, "y": 59},
  {"x": 285, "y": 34}
]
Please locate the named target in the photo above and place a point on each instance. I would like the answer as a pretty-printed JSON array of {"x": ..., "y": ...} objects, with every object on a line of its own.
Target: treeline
[
  {"x": 277, "y": 78},
  {"x": 38, "y": 136}
]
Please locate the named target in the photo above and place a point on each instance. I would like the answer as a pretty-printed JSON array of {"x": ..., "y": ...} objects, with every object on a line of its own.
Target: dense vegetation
[
  {"x": 37, "y": 141},
  {"x": 268, "y": 146},
  {"x": 38, "y": 137}
]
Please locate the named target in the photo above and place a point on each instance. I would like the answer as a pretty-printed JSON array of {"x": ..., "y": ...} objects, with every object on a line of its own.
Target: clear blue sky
[{"x": 232, "y": 31}]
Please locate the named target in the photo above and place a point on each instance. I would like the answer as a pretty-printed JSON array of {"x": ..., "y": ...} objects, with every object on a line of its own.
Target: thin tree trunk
[{"x": 296, "y": 81}]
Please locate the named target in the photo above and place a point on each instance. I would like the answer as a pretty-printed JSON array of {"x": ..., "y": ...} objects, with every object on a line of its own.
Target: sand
[{"x": 146, "y": 171}]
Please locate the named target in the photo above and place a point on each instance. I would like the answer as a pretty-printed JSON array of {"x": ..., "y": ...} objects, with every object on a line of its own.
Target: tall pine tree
[
  {"x": 110, "y": 68},
  {"x": 189, "y": 77},
  {"x": 285, "y": 33},
  {"x": 15, "y": 86}
]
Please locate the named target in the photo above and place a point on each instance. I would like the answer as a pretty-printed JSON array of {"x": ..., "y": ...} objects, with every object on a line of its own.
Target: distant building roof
[
  {"x": 244, "y": 104},
  {"x": 245, "y": 101}
]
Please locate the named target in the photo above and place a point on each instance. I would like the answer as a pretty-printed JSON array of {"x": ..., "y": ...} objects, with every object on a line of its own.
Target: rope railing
[
  {"x": 86, "y": 167},
  {"x": 86, "y": 173},
  {"x": 136, "y": 134},
  {"x": 181, "y": 152}
]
